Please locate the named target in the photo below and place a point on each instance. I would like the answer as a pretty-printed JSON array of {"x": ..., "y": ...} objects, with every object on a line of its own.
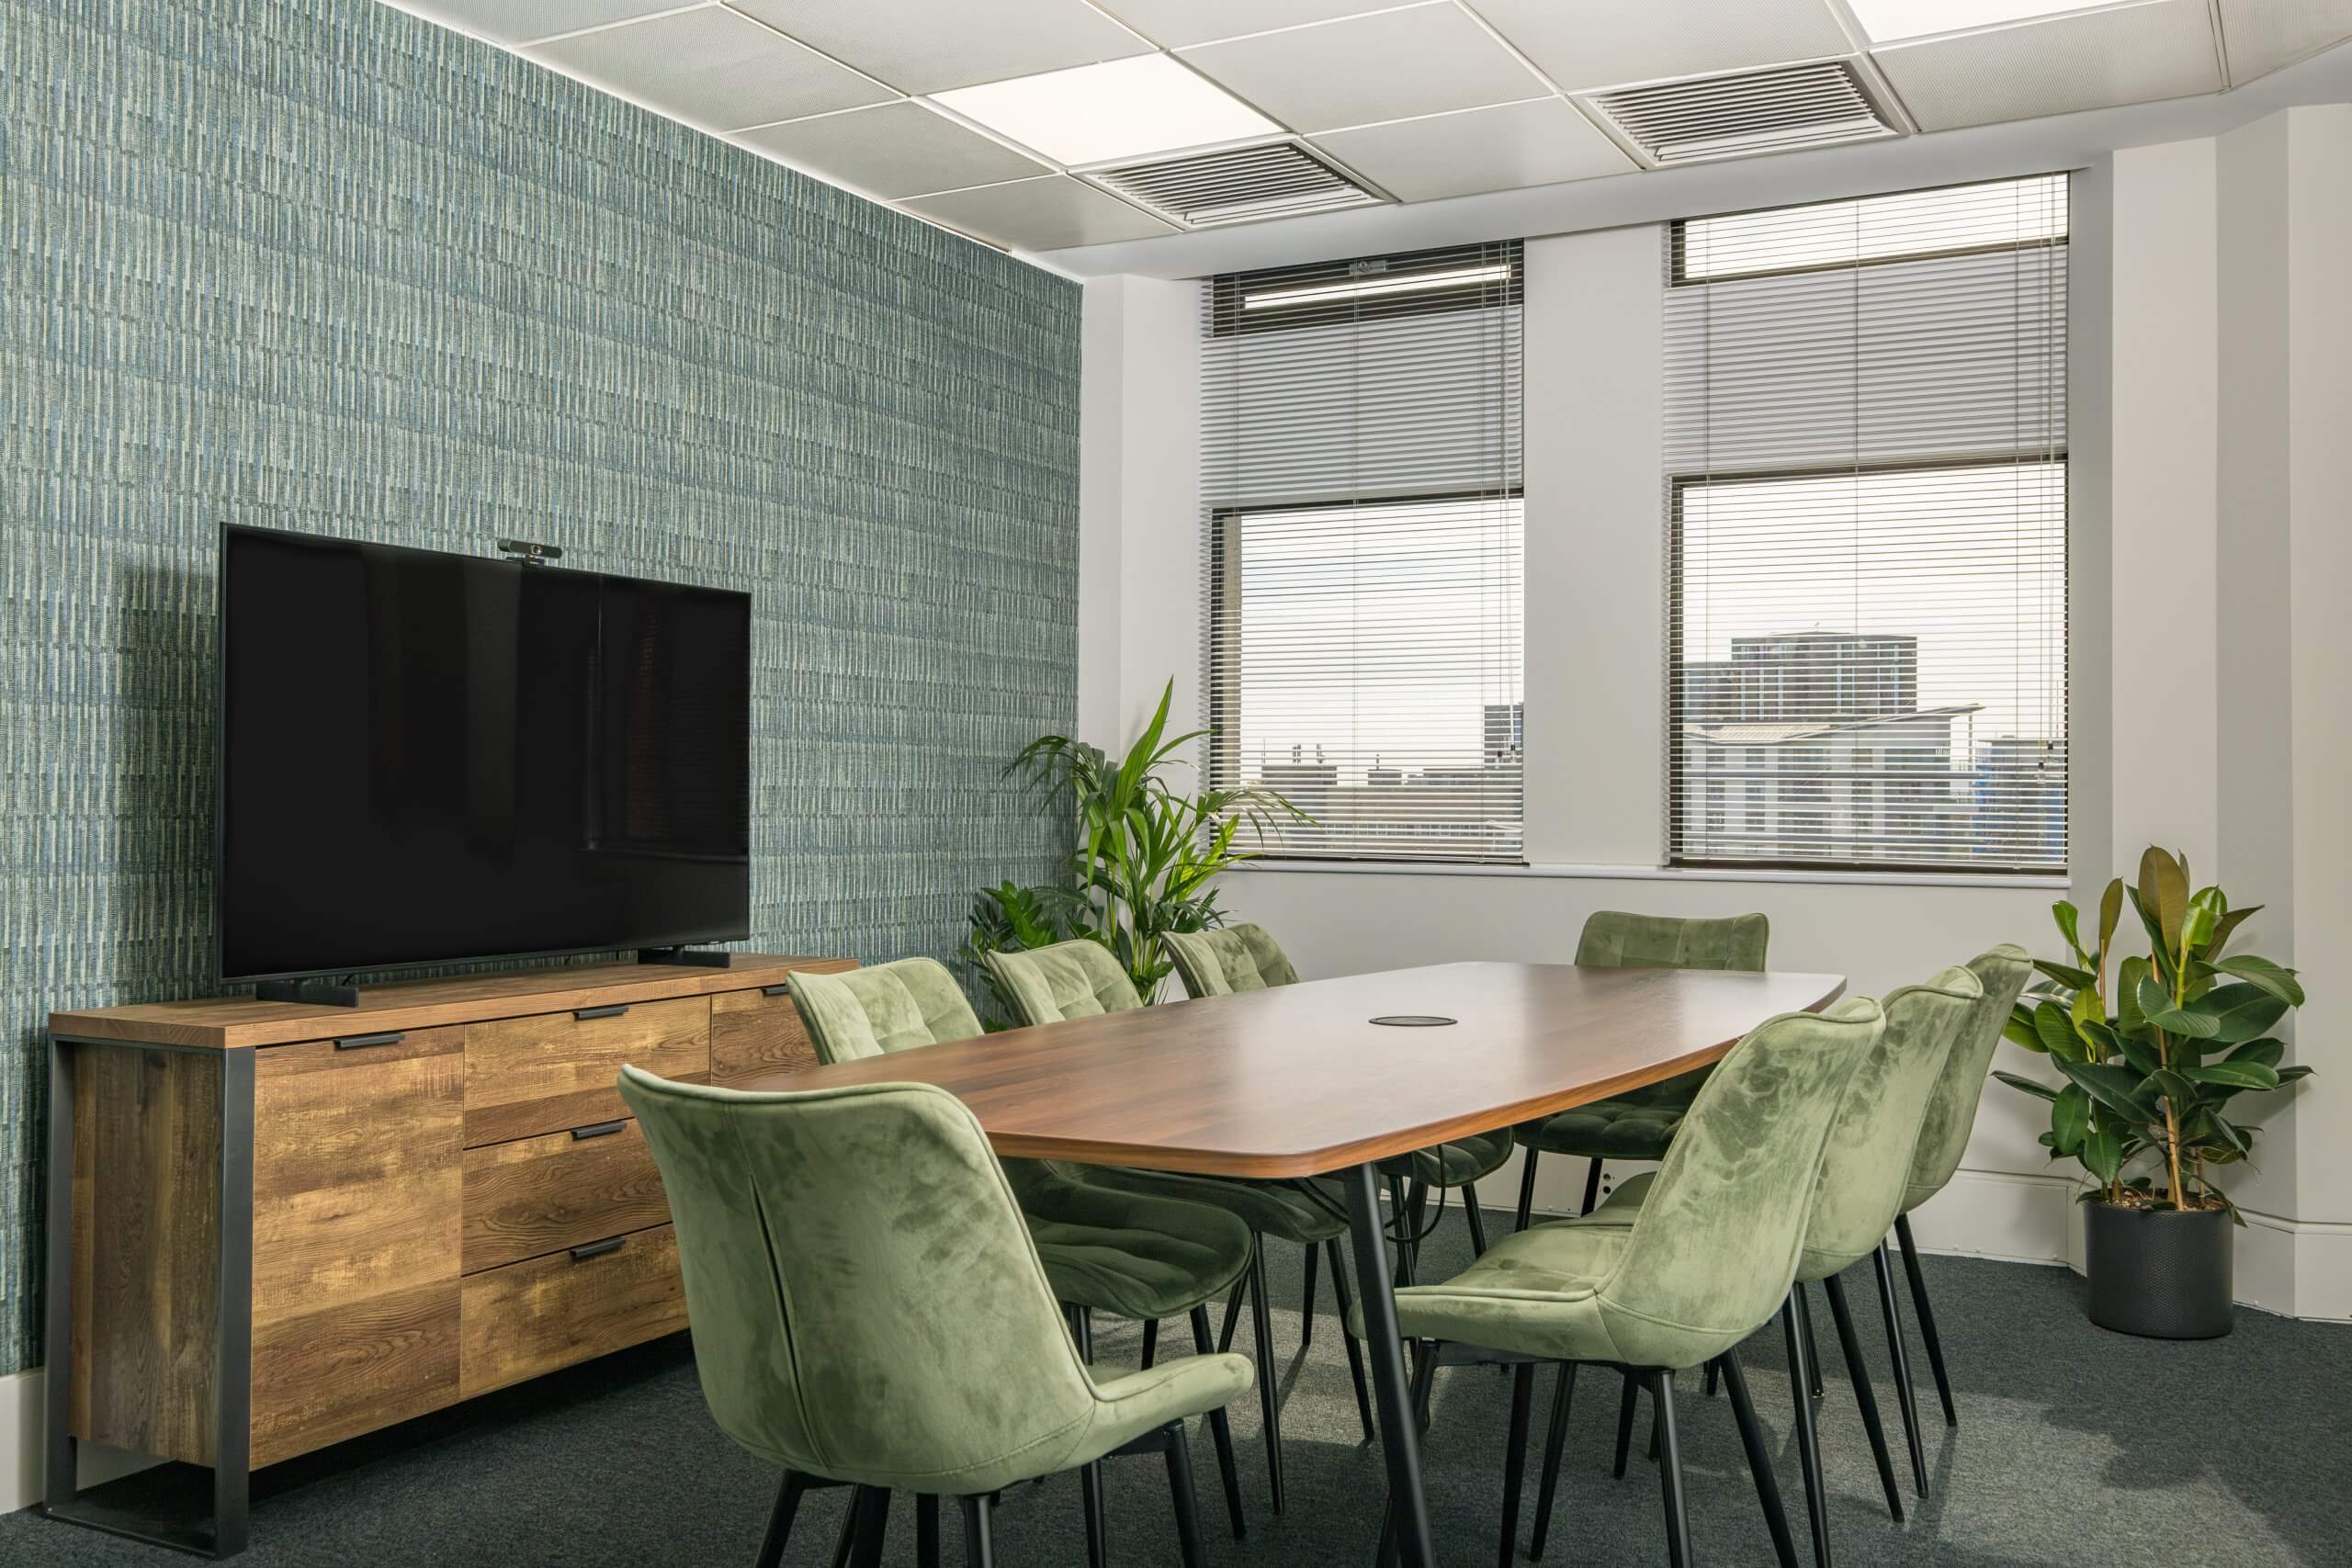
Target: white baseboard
[{"x": 21, "y": 1415}]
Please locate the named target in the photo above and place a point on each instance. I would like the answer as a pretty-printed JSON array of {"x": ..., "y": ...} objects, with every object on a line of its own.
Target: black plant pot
[{"x": 2159, "y": 1273}]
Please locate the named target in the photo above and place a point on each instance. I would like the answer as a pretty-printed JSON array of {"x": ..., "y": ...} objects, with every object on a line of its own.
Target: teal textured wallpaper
[{"x": 317, "y": 264}]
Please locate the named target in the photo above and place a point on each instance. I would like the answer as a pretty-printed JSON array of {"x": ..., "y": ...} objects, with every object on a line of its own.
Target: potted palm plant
[
  {"x": 1147, "y": 857},
  {"x": 2153, "y": 1051}
]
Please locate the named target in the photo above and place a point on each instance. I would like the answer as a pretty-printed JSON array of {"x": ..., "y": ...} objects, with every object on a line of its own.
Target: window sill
[{"x": 2056, "y": 882}]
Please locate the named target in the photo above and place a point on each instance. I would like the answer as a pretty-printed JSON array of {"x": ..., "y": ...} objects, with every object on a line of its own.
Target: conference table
[{"x": 1327, "y": 1077}]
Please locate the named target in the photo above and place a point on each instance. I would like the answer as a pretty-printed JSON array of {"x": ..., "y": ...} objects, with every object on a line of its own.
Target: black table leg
[{"x": 1399, "y": 1433}]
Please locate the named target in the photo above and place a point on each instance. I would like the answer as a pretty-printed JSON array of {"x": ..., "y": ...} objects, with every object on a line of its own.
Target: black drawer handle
[
  {"x": 584, "y": 1014},
  {"x": 597, "y": 1248},
  {"x": 783, "y": 990},
  {"x": 602, "y": 1129},
  {"x": 361, "y": 1042}
]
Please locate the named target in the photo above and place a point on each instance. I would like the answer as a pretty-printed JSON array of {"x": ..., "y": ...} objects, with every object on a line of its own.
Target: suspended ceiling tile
[
  {"x": 1424, "y": 59},
  {"x": 1175, "y": 23},
  {"x": 1538, "y": 143},
  {"x": 928, "y": 46},
  {"x": 2094, "y": 60},
  {"x": 1041, "y": 215},
  {"x": 1607, "y": 43},
  {"x": 710, "y": 68},
  {"x": 525, "y": 21},
  {"x": 2263, "y": 34},
  {"x": 893, "y": 149}
]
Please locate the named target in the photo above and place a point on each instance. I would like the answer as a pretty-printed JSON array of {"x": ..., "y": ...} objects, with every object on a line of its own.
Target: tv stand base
[
  {"x": 685, "y": 957},
  {"x": 318, "y": 993}
]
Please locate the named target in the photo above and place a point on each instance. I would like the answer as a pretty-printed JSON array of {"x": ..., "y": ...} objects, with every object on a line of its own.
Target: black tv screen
[{"x": 428, "y": 758}]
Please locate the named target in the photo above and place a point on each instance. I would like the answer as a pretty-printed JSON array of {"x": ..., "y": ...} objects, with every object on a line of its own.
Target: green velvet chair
[
  {"x": 868, "y": 1310},
  {"x": 1640, "y": 1124},
  {"x": 1863, "y": 1180},
  {"x": 1133, "y": 1255},
  {"x": 1080, "y": 979},
  {"x": 1247, "y": 958},
  {"x": 1951, "y": 1116},
  {"x": 1706, "y": 1261}
]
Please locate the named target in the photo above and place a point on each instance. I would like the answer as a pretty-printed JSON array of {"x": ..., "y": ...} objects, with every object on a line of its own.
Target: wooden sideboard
[{"x": 273, "y": 1226}]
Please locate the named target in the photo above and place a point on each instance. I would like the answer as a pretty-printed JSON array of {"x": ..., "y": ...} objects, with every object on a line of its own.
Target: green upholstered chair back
[
  {"x": 1069, "y": 979},
  {"x": 1235, "y": 958},
  {"x": 1715, "y": 1246},
  {"x": 1868, "y": 1166},
  {"x": 865, "y": 1299},
  {"x": 1951, "y": 1112},
  {"x": 1615, "y": 940},
  {"x": 889, "y": 1007}
]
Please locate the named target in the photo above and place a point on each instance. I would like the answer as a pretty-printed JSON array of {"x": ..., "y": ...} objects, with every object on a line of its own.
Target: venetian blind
[
  {"x": 1360, "y": 487},
  {"x": 1866, "y": 483}
]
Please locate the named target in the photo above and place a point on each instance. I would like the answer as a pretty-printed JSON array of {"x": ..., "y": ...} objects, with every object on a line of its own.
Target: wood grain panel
[
  {"x": 354, "y": 1368},
  {"x": 240, "y": 1022},
  {"x": 527, "y": 1076},
  {"x": 539, "y": 1195},
  {"x": 146, "y": 1278},
  {"x": 753, "y": 1033},
  {"x": 531, "y": 1318},
  {"x": 1298, "y": 1080}
]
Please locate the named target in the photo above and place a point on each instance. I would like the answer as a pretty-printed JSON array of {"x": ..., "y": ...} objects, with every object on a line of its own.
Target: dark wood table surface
[{"x": 1298, "y": 1080}]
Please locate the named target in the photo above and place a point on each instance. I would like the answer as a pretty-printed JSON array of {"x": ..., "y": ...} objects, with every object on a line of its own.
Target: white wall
[{"x": 2150, "y": 626}]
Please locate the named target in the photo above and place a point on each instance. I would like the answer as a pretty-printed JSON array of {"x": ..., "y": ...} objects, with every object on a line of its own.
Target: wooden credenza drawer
[
  {"x": 754, "y": 1033},
  {"x": 553, "y": 1071},
  {"x": 533, "y": 1317},
  {"x": 540, "y": 1195}
]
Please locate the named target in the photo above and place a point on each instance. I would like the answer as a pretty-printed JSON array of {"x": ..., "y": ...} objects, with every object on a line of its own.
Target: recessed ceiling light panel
[
  {"x": 1121, "y": 108},
  {"x": 1887, "y": 20}
]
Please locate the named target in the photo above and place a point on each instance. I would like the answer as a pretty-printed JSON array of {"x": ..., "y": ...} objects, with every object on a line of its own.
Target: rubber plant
[
  {"x": 1147, "y": 857},
  {"x": 2153, "y": 1049}
]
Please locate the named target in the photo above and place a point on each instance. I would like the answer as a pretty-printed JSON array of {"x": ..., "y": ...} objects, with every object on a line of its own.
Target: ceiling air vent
[
  {"x": 1736, "y": 116},
  {"x": 1238, "y": 185}
]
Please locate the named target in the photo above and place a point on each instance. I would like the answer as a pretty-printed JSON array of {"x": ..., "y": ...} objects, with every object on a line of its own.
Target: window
[
  {"x": 1361, "y": 482},
  {"x": 1866, "y": 488}
]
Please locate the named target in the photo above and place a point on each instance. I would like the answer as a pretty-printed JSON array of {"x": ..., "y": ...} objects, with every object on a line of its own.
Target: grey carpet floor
[{"x": 2075, "y": 1446}]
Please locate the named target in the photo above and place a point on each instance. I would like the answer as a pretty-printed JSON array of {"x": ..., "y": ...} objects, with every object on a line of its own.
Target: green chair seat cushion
[
  {"x": 1606, "y": 1129},
  {"x": 1277, "y": 1209},
  {"x": 1456, "y": 1164},
  {"x": 1139, "y": 1254},
  {"x": 1536, "y": 1291}
]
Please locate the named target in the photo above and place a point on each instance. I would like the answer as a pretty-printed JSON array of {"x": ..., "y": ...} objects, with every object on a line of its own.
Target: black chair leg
[
  {"x": 1816, "y": 1501},
  {"x": 1401, "y": 1212},
  {"x": 845, "y": 1543},
  {"x": 1759, "y": 1460},
  {"x": 1625, "y": 1426},
  {"x": 1556, "y": 1442},
  {"x": 873, "y": 1508},
  {"x": 1522, "y": 1396},
  {"x": 1477, "y": 1218},
  {"x": 1180, "y": 1495},
  {"x": 1342, "y": 1292},
  {"x": 780, "y": 1517},
  {"x": 1232, "y": 1313},
  {"x": 1805, "y": 1327},
  {"x": 1306, "y": 1306},
  {"x": 1670, "y": 1473},
  {"x": 1591, "y": 1188},
  {"x": 1905, "y": 1401},
  {"x": 1715, "y": 1373},
  {"x": 1150, "y": 1343},
  {"x": 1270, "y": 1390},
  {"x": 1098, "y": 1532},
  {"x": 1927, "y": 1317},
  {"x": 1419, "y": 1206},
  {"x": 1081, "y": 1330},
  {"x": 1220, "y": 1432},
  {"x": 927, "y": 1530},
  {"x": 1527, "y": 1185},
  {"x": 1859, "y": 1372},
  {"x": 979, "y": 1538}
]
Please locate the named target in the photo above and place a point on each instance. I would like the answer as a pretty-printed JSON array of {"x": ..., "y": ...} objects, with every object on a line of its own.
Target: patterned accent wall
[{"x": 317, "y": 264}]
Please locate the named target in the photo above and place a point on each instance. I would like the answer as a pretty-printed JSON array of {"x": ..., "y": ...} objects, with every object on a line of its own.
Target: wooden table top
[
  {"x": 1296, "y": 1080},
  {"x": 230, "y": 1024}
]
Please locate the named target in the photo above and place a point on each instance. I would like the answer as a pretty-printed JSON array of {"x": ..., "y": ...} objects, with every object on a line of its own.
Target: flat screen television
[{"x": 429, "y": 758}]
